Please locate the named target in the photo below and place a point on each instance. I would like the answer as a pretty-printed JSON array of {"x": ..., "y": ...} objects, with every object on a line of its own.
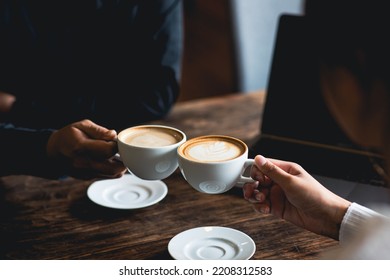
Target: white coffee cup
[
  {"x": 150, "y": 151},
  {"x": 214, "y": 163}
]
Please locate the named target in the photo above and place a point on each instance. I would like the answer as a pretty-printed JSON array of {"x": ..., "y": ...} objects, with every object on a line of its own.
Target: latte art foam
[
  {"x": 151, "y": 137},
  {"x": 213, "y": 150}
]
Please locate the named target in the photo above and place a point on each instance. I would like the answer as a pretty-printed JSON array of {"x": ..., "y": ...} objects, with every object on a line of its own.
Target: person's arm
[
  {"x": 287, "y": 191},
  {"x": 23, "y": 151},
  {"x": 82, "y": 149},
  {"x": 355, "y": 219},
  {"x": 364, "y": 234}
]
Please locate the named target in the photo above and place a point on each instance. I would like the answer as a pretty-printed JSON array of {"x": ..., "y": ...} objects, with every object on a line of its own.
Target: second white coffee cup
[
  {"x": 150, "y": 151},
  {"x": 214, "y": 163}
]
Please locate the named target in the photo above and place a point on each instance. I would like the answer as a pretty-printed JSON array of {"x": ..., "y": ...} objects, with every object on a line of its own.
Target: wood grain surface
[{"x": 54, "y": 219}]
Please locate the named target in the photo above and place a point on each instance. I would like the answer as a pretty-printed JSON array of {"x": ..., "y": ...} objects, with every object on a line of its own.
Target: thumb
[
  {"x": 271, "y": 170},
  {"x": 95, "y": 131}
]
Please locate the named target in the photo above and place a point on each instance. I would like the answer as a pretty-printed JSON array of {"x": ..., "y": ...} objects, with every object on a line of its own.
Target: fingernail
[
  {"x": 261, "y": 160},
  {"x": 113, "y": 131},
  {"x": 264, "y": 210},
  {"x": 259, "y": 197},
  {"x": 112, "y": 134}
]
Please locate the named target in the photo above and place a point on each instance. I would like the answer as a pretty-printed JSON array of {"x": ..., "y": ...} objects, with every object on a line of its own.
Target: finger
[
  {"x": 112, "y": 176},
  {"x": 263, "y": 208},
  {"x": 252, "y": 198},
  {"x": 273, "y": 171},
  {"x": 257, "y": 175},
  {"x": 248, "y": 189},
  {"x": 289, "y": 167},
  {"x": 97, "y": 149},
  {"x": 262, "y": 195},
  {"x": 108, "y": 168},
  {"x": 95, "y": 131}
]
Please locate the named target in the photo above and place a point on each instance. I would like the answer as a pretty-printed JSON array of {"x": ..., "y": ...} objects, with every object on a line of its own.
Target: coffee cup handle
[
  {"x": 117, "y": 157},
  {"x": 245, "y": 179}
]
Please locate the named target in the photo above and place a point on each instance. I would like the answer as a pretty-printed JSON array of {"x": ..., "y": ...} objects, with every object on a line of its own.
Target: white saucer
[
  {"x": 211, "y": 243},
  {"x": 127, "y": 192}
]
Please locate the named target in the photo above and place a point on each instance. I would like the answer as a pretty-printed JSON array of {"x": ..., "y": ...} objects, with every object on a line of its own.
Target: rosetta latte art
[{"x": 212, "y": 151}]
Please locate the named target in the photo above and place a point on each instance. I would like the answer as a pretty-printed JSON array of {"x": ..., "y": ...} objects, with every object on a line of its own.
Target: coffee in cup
[
  {"x": 149, "y": 151},
  {"x": 214, "y": 163},
  {"x": 151, "y": 136}
]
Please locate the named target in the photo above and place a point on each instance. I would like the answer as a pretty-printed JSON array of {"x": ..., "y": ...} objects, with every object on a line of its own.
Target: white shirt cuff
[{"x": 354, "y": 220}]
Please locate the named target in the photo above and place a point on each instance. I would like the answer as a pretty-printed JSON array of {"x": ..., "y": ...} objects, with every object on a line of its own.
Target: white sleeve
[{"x": 354, "y": 220}]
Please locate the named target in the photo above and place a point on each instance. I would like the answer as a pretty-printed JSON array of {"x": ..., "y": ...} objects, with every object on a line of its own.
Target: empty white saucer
[
  {"x": 211, "y": 243},
  {"x": 127, "y": 192}
]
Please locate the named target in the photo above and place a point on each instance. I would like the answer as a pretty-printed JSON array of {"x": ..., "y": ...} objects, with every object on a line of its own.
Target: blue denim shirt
[{"x": 116, "y": 62}]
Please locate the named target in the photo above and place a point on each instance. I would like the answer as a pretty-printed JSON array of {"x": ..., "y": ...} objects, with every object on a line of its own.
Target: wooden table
[{"x": 49, "y": 219}]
